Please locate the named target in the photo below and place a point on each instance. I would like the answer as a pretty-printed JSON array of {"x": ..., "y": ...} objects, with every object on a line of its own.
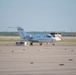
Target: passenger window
[{"x": 24, "y": 37}]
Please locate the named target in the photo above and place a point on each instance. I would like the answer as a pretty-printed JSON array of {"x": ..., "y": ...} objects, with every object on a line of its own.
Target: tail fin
[{"x": 22, "y": 33}]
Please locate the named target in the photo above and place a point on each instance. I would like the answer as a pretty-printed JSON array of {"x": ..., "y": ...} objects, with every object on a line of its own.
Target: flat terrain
[{"x": 38, "y": 60}]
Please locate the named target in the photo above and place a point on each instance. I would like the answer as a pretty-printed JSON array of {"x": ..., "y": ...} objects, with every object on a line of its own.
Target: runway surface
[{"x": 38, "y": 60}]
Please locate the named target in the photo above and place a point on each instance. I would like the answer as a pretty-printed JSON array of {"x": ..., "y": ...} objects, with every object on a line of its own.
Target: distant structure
[{"x": 58, "y": 36}]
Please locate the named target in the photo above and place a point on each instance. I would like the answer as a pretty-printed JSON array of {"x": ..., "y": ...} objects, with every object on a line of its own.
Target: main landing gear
[{"x": 31, "y": 43}]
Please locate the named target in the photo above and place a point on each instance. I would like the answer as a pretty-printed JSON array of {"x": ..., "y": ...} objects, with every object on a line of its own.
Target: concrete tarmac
[{"x": 38, "y": 60}]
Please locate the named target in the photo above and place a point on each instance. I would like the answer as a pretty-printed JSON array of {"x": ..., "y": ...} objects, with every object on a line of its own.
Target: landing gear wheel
[
  {"x": 53, "y": 44},
  {"x": 40, "y": 44},
  {"x": 31, "y": 43}
]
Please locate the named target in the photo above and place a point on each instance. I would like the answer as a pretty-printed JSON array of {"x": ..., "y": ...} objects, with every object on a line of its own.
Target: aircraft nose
[{"x": 54, "y": 40}]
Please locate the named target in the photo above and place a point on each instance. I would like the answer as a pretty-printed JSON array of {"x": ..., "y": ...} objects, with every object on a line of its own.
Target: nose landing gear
[
  {"x": 53, "y": 44},
  {"x": 40, "y": 44}
]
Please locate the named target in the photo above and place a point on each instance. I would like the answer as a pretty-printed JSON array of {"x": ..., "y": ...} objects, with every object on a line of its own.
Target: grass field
[
  {"x": 9, "y": 40},
  {"x": 68, "y": 41},
  {"x": 13, "y": 40}
]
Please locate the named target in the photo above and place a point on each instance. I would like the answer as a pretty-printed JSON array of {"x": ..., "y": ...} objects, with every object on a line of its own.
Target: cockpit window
[{"x": 48, "y": 36}]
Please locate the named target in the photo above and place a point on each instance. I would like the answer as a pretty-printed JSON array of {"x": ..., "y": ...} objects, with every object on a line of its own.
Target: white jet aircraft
[{"x": 41, "y": 38}]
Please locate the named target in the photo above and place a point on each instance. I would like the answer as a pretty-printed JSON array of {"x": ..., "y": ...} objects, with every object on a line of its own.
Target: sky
[{"x": 38, "y": 15}]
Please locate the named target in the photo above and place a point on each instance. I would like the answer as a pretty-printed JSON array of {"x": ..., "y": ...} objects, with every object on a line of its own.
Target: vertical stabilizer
[{"x": 22, "y": 33}]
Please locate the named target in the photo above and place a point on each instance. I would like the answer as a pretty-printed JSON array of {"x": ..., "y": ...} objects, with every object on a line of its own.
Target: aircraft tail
[{"x": 22, "y": 33}]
